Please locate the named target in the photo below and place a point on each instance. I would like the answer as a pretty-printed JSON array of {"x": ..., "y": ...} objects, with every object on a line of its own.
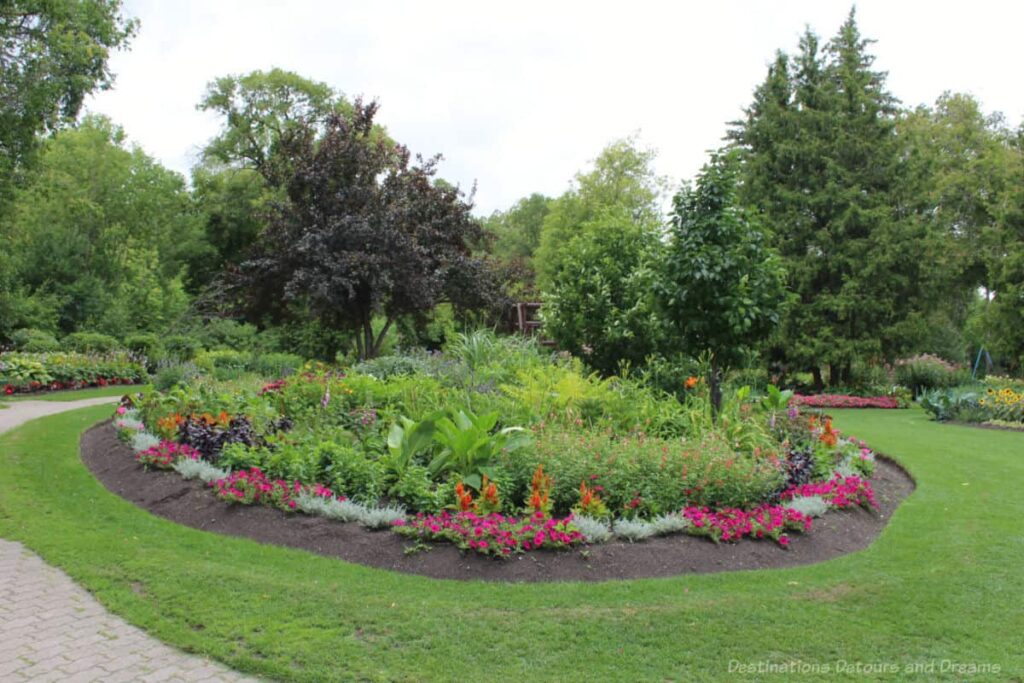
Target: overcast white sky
[{"x": 518, "y": 96}]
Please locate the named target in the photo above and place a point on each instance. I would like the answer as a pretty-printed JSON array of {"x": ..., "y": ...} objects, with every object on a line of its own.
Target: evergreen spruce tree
[{"x": 822, "y": 166}]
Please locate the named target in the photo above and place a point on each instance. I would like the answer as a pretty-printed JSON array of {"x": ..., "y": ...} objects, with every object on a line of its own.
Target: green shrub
[
  {"x": 90, "y": 342},
  {"x": 147, "y": 345},
  {"x": 643, "y": 476},
  {"x": 350, "y": 472},
  {"x": 275, "y": 364},
  {"x": 949, "y": 404},
  {"x": 385, "y": 367},
  {"x": 181, "y": 347},
  {"x": 223, "y": 333},
  {"x": 223, "y": 364},
  {"x": 923, "y": 373},
  {"x": 170, "y": 374},
  {"x": 34, "y": 341}
]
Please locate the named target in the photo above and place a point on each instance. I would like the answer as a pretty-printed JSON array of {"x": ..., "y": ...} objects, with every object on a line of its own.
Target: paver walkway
[{"x": 53, "y": 630}]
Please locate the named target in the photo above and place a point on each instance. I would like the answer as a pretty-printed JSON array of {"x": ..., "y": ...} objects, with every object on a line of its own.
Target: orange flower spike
[{"x": 464, "y": 496}]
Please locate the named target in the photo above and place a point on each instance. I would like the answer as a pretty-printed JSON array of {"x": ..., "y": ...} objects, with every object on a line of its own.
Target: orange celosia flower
[
  {"x": 464, "y": 496},
  {"x": 828, "y": 436},
  {"x": 540, "y": 488}
]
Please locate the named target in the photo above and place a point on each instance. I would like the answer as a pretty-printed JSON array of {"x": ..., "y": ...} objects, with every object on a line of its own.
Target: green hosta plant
[
  {"x": 406, "y": 440},
  {"x": 948, "y": 404},
  {"x": 776, "y": 400},
  {"x": 470, "y": 447}
]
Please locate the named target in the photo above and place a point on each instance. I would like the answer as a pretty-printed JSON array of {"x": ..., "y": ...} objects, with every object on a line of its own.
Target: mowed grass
[{"x": 944, "y": 583}]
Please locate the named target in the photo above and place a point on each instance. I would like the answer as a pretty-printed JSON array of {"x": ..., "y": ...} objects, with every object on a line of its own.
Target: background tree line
[{"x": 897, "y": 230}]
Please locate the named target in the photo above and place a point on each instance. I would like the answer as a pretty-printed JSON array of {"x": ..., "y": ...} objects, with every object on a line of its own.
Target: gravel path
[{"x": 53, "y": 630}]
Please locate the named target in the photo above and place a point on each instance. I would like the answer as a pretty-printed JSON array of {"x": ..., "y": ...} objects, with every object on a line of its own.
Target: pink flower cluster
[
  {"x": 732, "y": 524},
  {"x": 844, "y": 401},
  {"x": 493, "y": 534},
  {"x": 163, "y": 455},
  {"x": 251, "y": 487},
  {"x": 839, "y": 492}
]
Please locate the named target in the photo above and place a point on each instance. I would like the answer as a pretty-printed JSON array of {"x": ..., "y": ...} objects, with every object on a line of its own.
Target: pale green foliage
[
  {"x": 670, "y": 523},
  {"x": 141, "y": 441},
  {"x": 199, "y": 469},
  {"x": 370, "y": 516},
  {"x": 261, "y": 108},
  {"x": 593, "y": 530},
  {"x": 815, "y": 506},
  {"x": 632, "y": 529}
]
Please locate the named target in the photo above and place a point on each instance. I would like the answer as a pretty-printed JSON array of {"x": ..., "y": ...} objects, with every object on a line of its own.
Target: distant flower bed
[
  {"x": 844, "y": 401},
  {"x": 24, "y": 373}
]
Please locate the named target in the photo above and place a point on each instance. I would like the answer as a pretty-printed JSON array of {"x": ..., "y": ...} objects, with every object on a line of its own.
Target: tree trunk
[
  {"x": 819, "y": 383},
  {"x": 380, "y": 337},
  {"x": 715, "y": 387}
]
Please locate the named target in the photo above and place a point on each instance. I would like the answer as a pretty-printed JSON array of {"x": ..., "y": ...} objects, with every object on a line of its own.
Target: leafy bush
[
  {"x": 644, "y": 476},
  {"x": 274, "y": 364},
  {"x": 181, "y": 347},
  {"x": 386, "y": 367},
  {"x": 148, "y": 346},
  {"x": 948, "y": 404},
  {"x": 34, "y": 341},
  {"x": 470, "y": 444},
  {"x": 90, "y": 342},
  {"x": 170, "y": 373},
  {"x": 350, "y": 472},
  {"x": 39, "y": 371},
  {"x": 926, "y": 372}
]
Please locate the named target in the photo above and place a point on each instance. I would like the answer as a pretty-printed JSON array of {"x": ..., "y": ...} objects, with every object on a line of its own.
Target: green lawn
[
  {"x": 944, "y": 582},
  {"x": 72, "y": 395}
]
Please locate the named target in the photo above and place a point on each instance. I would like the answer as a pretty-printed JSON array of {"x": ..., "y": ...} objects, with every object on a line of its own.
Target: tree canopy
[
  {"x": 622, "y": 182},
  {"x": 102, "y": 234},
  {"x": 364, "y": 232},
  {"x": 823, "y": 168},
  {"x": 719, "y": 287},
  {"x": 53, "y": 53}
]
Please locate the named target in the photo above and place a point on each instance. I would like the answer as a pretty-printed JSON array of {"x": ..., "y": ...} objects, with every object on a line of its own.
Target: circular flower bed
[{"x": 614, "y": 461}]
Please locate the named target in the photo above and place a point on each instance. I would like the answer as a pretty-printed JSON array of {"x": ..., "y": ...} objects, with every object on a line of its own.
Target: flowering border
[{"x": 497, "y": 535}]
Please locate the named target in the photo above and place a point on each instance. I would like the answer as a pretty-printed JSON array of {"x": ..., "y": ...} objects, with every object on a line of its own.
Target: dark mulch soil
[{"x": 190, "y": 503}]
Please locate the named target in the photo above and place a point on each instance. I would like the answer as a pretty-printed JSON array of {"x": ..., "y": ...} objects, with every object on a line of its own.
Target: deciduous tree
[{"x": 365, "y": 232}]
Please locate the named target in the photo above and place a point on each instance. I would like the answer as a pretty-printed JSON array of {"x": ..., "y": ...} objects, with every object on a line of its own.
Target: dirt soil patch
[{"x": 191, "y": 503}]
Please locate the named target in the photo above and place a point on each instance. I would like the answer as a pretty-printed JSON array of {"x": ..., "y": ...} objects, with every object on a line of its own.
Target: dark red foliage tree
[{"x": 365, "y": 233}]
